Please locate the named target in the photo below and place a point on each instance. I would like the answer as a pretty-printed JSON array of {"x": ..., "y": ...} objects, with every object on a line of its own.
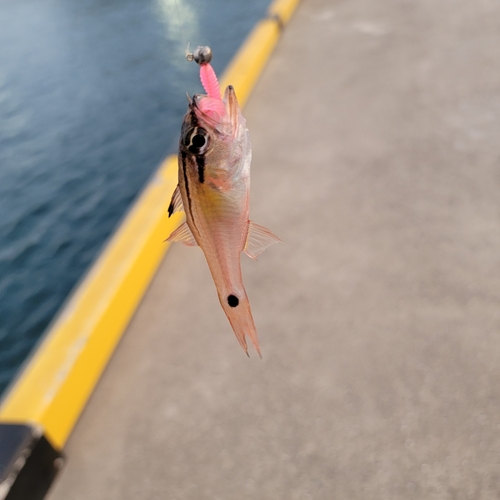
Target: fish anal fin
[
  {"x": 258, "y": 239},
  {"x": 184, "y": 235},
  {"x": 176, "y": 202}
]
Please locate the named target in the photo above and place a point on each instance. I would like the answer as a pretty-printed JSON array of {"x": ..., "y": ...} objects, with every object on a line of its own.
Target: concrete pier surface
[{"x": 376, "y": 131}]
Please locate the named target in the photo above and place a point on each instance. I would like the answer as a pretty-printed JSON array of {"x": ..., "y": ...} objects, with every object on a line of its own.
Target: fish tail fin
[{"x": 238, "y": 313}]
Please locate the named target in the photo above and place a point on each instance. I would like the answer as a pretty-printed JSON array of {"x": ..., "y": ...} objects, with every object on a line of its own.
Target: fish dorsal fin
[
  {"x": 176, "y": 202},
  {"x": 258, "y": 239},
  {"x": 184, "y": 235}
]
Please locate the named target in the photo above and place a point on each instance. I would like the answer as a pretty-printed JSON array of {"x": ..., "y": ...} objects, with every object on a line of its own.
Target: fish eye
[{"x": 196, "y": 140}]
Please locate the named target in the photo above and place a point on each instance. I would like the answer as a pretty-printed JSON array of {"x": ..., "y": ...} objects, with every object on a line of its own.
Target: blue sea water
[{"x": 92, "y": 94}]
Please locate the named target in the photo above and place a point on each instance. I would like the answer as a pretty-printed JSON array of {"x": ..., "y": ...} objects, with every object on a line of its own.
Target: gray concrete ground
[{"x": 376, "y": 133}]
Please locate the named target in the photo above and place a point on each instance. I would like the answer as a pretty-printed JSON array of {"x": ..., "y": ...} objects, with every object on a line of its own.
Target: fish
[{"x": 213, "y": 190}]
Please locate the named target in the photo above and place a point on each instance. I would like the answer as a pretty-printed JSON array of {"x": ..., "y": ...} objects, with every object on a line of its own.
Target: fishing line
[
  {"x": 182, "y": 25},
  {"x": 202, "y": 54}
]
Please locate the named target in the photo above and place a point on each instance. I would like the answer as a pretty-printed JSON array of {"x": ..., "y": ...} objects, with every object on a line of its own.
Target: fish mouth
[
  {"x": 232, "y": 106},
  {"x": 208, "y": 109},
  {"x": 217, "y": 112}
]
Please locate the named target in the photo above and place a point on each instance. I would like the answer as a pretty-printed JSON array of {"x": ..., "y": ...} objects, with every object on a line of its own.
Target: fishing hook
[{"x": 202, "y": 54}]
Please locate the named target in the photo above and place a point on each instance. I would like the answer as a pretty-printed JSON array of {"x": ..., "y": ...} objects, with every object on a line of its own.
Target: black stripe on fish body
[
  {"x": 186, "y": 183},
  {"x": 185, "y": 159},
  {"x": 171, "y": 208},
  {"x": 200, "y": 161},
  {"x": 194, "y": 118}
]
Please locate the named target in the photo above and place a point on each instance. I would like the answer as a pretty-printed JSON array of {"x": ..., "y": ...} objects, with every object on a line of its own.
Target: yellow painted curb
[
  {"x": 283, "y": 9},
  {"x": 56, "y": 383}
]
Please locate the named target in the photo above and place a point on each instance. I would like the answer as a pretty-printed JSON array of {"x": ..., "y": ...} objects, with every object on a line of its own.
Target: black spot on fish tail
[
  {"x": 232, "y": 300},
  {"x": 200, "y": 161}
]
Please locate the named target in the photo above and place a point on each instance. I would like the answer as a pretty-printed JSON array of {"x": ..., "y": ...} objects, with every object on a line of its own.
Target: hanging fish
[{"x": 213, "y": 190}]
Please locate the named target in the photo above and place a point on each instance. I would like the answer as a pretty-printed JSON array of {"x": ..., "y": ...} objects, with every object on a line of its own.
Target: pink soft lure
[
  {"x": 212, "y": 105},
  {"x": 209, "y": 81}
]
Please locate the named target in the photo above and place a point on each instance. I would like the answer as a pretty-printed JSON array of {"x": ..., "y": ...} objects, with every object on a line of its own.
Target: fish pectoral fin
[
  {"x": 176, "y": 202},
  {"x": 184, "y": 235},
  {"x": 258, "y": 239}
]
